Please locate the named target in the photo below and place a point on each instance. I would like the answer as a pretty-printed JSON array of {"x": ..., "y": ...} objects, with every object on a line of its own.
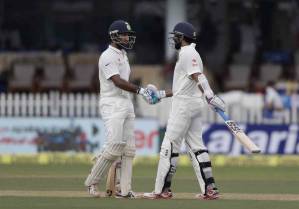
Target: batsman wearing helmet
[
  {"x": 117, "y": 109},
  {"x": 190, "y": 89}
]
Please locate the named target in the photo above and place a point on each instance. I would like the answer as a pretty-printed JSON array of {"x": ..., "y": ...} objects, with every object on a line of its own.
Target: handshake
[{"x": 151, "y": 94}]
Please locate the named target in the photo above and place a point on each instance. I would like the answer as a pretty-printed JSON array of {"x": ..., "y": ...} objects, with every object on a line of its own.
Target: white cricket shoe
[
  {"x": 152, "y": 195},
  {"x": 93, "y": 190}
]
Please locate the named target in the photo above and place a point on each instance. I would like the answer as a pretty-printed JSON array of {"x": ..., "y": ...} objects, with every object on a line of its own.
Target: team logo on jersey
[
  {"x": 194, "y": 62},
  {"x": 128, "y": 26}
]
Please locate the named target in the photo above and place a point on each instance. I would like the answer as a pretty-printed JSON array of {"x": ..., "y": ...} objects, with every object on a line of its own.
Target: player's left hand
[
  {"x": 159, "y": 94},
  {"x": 148, "y": 95},
  {"x": 216, "y": 102}
]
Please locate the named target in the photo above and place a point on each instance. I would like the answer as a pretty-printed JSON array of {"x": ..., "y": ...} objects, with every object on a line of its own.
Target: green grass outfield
[{"x": 60, "y": 186}]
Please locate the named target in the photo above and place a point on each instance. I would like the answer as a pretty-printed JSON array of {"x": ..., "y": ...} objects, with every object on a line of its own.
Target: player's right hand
[
  {"x": 216, "y": 102},
  {"x": 148, "y": 95},
  {"x": 160, "y": 94}
]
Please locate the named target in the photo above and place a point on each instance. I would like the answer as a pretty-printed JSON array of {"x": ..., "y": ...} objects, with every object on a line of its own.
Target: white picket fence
[
  {"x": 54, "y": 104},
  {"x": 242, "y": 107}
]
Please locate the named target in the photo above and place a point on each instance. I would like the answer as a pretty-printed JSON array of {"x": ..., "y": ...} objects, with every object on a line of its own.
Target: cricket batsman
[
  {"x": 190, "y": 89},
  {"x": 117, "y": 110}
]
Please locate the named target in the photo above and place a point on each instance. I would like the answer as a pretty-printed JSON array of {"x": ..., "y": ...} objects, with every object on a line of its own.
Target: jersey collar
[
  {"x": 117, "y": 50},
  {"x": 190, "y": 45}
]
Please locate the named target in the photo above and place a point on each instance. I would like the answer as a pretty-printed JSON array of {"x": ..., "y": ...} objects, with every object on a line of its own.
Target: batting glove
[
  {"x": 160, "y": 94},
  {"x": 148, "y": 95},
  {"x": 216, "y": 102}
]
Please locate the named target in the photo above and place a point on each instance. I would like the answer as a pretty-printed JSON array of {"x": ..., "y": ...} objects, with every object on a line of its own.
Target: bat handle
[{"x": 222, "y": 114}]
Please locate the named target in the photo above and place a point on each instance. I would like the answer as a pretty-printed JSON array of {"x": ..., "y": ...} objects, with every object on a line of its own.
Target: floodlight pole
[{"x": 175, "y": 12}]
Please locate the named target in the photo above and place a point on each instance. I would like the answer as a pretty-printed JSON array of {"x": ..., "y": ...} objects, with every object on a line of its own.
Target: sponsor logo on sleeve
[{"x": 194, "y": 62}]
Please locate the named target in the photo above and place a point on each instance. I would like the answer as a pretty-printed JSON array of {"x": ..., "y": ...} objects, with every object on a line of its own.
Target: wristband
[
  {"x": 162, "y": 94},
  {"x": 140, "y": 90}
]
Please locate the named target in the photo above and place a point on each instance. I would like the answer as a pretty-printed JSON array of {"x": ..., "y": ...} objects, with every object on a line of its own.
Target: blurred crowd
[
  {"x": 46, "y": 71},
  {"x": 245, "y": 45}
]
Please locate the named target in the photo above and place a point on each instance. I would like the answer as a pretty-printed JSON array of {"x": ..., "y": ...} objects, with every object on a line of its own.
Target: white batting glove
[
  {"x": 216, "y": 102},
  {"x": 148, "y": 95},
  {"x": 160, "y": 94}
]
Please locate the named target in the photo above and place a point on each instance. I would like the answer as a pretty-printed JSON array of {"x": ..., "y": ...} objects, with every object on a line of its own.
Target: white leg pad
[
  {"x": 196, "y": 170},
  {"x": 126, "y": 174},
  {"x": 126, "y": 169},
  {"x": 117, "y": 175},
  {"x": 99, "y": 169},
  {"x": 166, "y": 166},
  {"x": 113, "y": 150},
  {"x": 202, "y": 167},
  {"x": 130, "y": 151},
  {"x": 110, "y": 153}
]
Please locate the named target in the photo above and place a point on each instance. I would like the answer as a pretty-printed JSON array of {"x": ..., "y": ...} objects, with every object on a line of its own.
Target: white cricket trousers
[
  {"x": 118, "y": 117},
  {"x": 185, "y": 123}
]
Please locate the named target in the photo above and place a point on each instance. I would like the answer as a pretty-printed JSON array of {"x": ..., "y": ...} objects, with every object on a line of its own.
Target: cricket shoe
[
  {"x": 211, "y": 194},
  {"x": 130, "y": 195},
  {"x": 152, "y": 195},
  {"x": 93, "y": 190}
]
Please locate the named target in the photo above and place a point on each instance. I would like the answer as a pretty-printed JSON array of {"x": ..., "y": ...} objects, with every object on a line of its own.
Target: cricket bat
[
  {"x": 238, "y": 133},
  {"x": 113, "y": 179},
  {"x": 110, "y": 183}
]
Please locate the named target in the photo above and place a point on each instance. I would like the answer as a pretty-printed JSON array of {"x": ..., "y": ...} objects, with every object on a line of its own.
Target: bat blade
[
  {"x": 239, "y": 133},
  {"x": 110, "y": 183},
  {"x": 247, "y": 142}
]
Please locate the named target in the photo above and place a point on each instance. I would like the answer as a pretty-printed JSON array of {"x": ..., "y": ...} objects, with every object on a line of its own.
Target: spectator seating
[
  {"x": 243, "y": 58},
  {"x": 238, "y": 77},
  {"x": 83, "y": 71},
  {"x": 270, "y": 72},
  {"x": 297, "y": 57},
  {"x": 82, "y": 58},
  {"x": 297, "y": 72},
  {"x": 78, "y": 72},
  {"x": 53, "y": 77},
  {"x": 83, "y": 77},
  {"x": 22, "y": 77},
  {"x": 148, "y": 74}
]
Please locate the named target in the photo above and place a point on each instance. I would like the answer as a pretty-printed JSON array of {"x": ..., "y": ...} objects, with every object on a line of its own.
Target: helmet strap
[
  {"x": 116, "y": 39},
  {"x": 178, "y": 41}
]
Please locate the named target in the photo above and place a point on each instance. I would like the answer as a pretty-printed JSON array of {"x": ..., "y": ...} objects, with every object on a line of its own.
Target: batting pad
[
  {"x": 126, "y": 174},
  {"x": 110, "y": 153},
  {"x": 197, "y": 170},
  {"x": 203, "y": 169},
  {"x": 166, "y": 166},
  {"x": 113, "y": 150},
  {"x": 99, "y": 169},
  {"x": 129, "y": 151}
]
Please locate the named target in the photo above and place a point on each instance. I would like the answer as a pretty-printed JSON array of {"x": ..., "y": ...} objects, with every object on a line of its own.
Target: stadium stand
[
  {"x": 270, "y": 72},
  {"x": 53, "y": 78},
  {"x": 22, "y": 78},
  {"x": 239, "y": 76},
  {"x": 83, "y": 78}
]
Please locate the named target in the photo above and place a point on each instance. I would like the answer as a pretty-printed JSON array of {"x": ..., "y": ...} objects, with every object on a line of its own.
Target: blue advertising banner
[
  {"x": 33, "y": 135},
  {"x": 272, "y": 139}
]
